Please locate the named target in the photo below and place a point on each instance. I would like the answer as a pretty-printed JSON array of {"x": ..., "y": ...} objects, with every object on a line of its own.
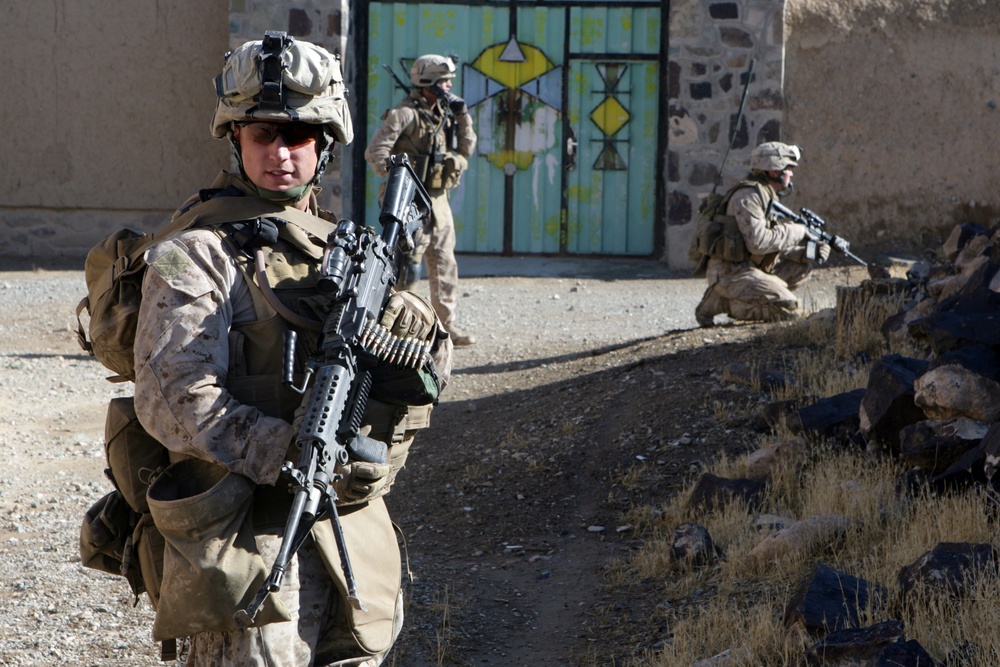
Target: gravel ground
[{"x": 53, "y": 398}]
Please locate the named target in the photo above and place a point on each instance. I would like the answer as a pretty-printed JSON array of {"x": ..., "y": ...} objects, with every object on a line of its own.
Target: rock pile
[{"x": 936, "y": 410}]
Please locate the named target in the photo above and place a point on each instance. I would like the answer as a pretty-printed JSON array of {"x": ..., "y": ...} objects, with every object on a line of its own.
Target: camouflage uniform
[
  {"x": 198, "y": 391},
  {"x": 759, "y": 288},
  {"x": 417, "y": 127}
]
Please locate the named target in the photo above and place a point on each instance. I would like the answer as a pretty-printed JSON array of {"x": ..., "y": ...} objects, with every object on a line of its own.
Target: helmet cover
[
  {"x": 775, "y": 156},
  {"x": 429, "y": 69},
  {"x": 278, "y": 79}
]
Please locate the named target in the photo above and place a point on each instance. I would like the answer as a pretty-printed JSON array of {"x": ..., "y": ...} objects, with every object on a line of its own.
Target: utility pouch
[
  {"x": 147, "y": 552},
  {"x": 106, "y": 540},
  {"x": 211, "y": 565},
  {"x": 730, "y": 246},
  {"x": 434, "y": 180},
  {"x": 454, "y": 166},
  {"x": 134, "y": 456}
]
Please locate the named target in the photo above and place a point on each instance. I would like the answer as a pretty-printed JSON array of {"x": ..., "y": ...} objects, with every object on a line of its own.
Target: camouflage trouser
[
  {"x": 318, "y": 634},
  {"x": 438, "y": 248},
  {"x": 744, "y": 292}
]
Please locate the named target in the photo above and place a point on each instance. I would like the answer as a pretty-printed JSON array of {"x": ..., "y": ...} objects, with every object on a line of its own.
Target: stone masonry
[{"x": 711, "y": 45}]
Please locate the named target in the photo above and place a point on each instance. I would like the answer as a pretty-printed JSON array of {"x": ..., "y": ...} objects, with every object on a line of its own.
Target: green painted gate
[{"x": 566, "y": 101}]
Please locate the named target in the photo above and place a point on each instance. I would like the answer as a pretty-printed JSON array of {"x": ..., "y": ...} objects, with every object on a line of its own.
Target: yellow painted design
[
  {"x": 439, "y": 23},
  {"x": 592, "y": 30},
  {"x": 579, "y": 193},
  {"x": 521, "y": 159},
  {"x": 610, "y": 116},
  {"x": 626, "y": 21},
  {"x": 552, "y": 226},
  {"x": 653, "y": 34},
  {"x": 400, "y": 17},
  {"x": 513, "y": 75}
]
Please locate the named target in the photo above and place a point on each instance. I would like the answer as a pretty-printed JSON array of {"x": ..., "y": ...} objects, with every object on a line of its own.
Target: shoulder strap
[{"x": 221, "y": 210}]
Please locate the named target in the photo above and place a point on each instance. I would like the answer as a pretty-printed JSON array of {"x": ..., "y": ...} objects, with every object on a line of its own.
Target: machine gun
[
  {"x": 358, "y": 272},
  {"x": 817, "y": 234}
]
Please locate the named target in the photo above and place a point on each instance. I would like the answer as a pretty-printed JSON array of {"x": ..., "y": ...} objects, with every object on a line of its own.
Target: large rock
[
  {"x": 935, "y": 445},
  {"x": 961, "y": 235},
  {"x": 802, "y": 537},
  {"x": 715, "y": 493},
  {"x": 955, "y": 391},
  {"x": 950, "y": 567},
  {"x": 852, "y": 646},
  {"x": 946, "y": 330},
  {"x": 761, "y": 463},
  {"x": 975, "y": 357},
  {"x": 831, "y": 417},
  {"x": 693, "y": 544},
  {"x": 888, "y": 404},
  {"x": 829, "y": 600}
]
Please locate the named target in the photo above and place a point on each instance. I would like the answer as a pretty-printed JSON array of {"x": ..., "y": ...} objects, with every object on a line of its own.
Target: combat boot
[
  {"x": 712, "y": 304},
  {"x": 460, "y": 338}
]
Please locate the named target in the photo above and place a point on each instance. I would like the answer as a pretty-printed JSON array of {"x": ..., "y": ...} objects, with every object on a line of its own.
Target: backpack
[{"x": 717, "y": 234}]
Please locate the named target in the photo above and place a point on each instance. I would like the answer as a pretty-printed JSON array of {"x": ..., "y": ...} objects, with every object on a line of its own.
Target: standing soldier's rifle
[
  {"x": 358, "y": 272},
  {"x": 814, "y": 227}
]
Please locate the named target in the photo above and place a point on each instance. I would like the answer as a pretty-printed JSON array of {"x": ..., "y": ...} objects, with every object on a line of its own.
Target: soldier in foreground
[
  {"x": 433, "y": 127},
  {"x": 218, "y": 301},
  {"x": 753, "y": 261}
]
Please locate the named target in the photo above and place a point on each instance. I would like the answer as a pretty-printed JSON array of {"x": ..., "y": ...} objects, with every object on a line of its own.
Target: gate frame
[{"x": 355, "y": 177}]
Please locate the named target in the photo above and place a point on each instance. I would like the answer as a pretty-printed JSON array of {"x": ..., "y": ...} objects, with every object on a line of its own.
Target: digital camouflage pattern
[{"x": 761, "y": 287}]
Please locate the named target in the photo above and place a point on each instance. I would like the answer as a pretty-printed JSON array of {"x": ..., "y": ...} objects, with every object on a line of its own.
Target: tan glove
[
  {"x": 360, "y": 481},
  {"x": 823, "y": 252},
  {"x": 409, "y": 315}
]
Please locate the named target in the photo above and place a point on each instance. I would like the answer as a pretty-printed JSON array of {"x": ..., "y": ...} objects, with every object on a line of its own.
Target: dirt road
[{"x": 511, "y": 504}]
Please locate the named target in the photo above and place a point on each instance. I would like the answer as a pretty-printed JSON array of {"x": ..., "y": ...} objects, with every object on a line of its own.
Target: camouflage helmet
[
  {"x": 775, "y": 156},
  {"x": 282, "y": 79},
  {"x": 428, "y": 70}
]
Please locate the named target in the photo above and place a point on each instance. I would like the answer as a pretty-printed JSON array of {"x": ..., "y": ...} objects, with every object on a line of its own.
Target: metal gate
[{"x": 566, "y": 99}]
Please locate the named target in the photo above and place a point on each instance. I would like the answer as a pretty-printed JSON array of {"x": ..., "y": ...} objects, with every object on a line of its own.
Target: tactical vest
[
  {"x": 718, "y": 235},
  {"x": 426, "y": 144},
  {"x": 256, "y": 373}
]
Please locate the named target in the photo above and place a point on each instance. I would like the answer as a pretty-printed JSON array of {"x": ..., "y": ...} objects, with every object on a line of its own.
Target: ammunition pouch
[
  {"x": 454, "y": 166},
  {"x": 719, "y": 238},
  {"x": 430, "y": 169}
]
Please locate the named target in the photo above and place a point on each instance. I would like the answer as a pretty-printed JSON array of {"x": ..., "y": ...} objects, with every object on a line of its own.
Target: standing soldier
[
  {"x": 434, "y": 128},
  {"x": 218, "y": 300},
  {"x": 752, "y": 260}
]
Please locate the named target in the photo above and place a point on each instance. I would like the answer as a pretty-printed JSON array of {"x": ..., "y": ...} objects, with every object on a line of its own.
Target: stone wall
[
  {"x": 711, "y": 45},
  {"x": 106, "y": 105}
]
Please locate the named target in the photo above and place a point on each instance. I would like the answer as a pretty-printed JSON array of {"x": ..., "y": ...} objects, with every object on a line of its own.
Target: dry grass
[{"x": 735, "y": 605}]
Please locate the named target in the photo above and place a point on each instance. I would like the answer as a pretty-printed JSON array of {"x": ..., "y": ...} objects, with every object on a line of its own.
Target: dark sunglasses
[{"x": 293, "y": 134}]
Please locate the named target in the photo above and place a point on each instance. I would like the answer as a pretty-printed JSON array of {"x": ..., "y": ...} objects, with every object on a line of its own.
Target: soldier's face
[
  {"x": 784, "y": 177},
  {"x": 278, "y": 156}
]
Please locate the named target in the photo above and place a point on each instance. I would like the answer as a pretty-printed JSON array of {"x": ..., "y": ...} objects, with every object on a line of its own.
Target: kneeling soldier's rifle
[
  {"x": 814, "y": 226},
  {"x": 358, "y": 272}
]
